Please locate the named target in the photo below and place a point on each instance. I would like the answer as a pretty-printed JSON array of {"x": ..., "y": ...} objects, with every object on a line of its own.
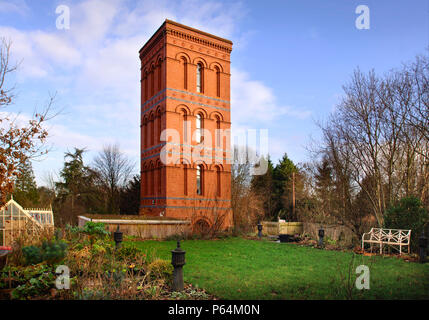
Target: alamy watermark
[
  {"x": 63, "y": 277},
  {"x": 362, "y": 281},
  {"x": 197, "y": 147},
  {"x": 362, "y": 21},
  {"x": 63, "y": 20}
]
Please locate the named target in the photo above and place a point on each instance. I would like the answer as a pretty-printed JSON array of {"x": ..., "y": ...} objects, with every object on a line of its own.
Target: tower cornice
[{"x": 181, "y": 31}]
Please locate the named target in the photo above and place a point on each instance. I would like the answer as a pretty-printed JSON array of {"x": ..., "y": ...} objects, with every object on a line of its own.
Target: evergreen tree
[
  {"x": 324, "y": 185},
  {"x": 263, "y": 185},
  {"x": 283, "y": 187},
  {"x": 78, "y": 192},
  {"x": 130, "y": 197},
  {"x": 25, "y": 191}
]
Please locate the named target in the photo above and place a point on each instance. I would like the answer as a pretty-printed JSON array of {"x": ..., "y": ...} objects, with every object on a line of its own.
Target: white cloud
[
  {"x": 13, "y": 6},
  {"x": 252, "y": 97}
]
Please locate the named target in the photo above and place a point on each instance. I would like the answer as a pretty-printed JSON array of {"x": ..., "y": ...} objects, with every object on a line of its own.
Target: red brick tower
[{"x": 185, "y": 86}]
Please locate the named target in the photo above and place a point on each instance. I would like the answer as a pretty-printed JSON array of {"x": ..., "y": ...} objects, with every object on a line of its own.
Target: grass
[{"x": 236, "y": 268}]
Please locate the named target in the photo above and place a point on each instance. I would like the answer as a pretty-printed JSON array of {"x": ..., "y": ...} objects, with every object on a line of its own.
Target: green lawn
[{"x": 237, "y": 268}]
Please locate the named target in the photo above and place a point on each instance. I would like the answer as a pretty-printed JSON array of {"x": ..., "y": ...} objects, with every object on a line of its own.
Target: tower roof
[{"x": 174, "y": 23}]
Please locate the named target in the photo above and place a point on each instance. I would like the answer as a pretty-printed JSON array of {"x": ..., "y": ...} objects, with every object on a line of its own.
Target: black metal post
[
  {"x": 321, "y": 235},
  {"x": 423, "y": 244},
  {"x": 178, "y": 261},
  {"x": 259, "y": 230},
  {"x": 117, "y": 236}
]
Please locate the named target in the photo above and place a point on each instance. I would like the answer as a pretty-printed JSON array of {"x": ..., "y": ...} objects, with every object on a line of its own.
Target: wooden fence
[{"x": 144, "y": 229}]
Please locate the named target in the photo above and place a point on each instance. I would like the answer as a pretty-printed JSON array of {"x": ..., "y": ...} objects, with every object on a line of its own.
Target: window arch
[
  {"x": 152, "y": 180},
  {"x": 159, "y": 123},
  {"x": 159, "y": 179},
  {"x": 185, "y": 127},
  {"x": 152, "y": 81},
  {"x": 152, "y": 127},
  {"x": 185, "y": 179},
  {"x": 200, "y": 179},
  {"x": 185, "y": 73},
  {"x": 145, "y": 141},
  {"x": 218, "y": 135},
  {"x": 146, "y": 92},
  {"x": 144, "y": 179},
  {"x": 159, "y": 75},
  {"x": 218, "y": 181},
  {"x": 200, "y": 77},
  {"x": 217, "y": 81},
  {"x": 199, "y": 127}
]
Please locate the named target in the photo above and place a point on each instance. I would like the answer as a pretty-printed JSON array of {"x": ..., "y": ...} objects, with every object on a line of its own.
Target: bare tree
[
  {"x": 114, "y": 170},
  {"x": 18, "y": 142},
  {"x": 377, "y": 140},
  {"x": 247, "y": 208}
]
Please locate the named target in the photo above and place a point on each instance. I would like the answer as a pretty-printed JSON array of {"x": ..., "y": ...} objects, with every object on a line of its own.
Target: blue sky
[{"x": 289, "y": 62}]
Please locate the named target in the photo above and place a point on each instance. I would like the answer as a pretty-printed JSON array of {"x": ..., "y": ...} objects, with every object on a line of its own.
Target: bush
[
  {"x": 50, "y": 251},
  {"x": 160, "y": 268},
  {"x": 129, "y": 253},
  {"x": 32, "y": 255},
  {"x": 90, "y": 228},
  {"x": 34, "y": 281},
  {"x": 407, "y": 214},
  {"x": 95, "y": 228}
]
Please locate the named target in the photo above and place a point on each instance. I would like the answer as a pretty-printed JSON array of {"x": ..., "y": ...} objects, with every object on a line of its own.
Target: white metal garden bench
[{"x": 389, "y": 237}]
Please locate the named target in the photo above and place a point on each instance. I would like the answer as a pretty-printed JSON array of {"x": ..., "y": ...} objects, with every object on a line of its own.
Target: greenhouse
[{"x": 15, "y": 222}]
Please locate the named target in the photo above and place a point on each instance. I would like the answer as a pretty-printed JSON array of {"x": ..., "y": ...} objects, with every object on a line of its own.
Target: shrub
[
  {"x": 129, "y": 253},
  {"x": 33, "y": 281},
  {"x": 32, "y": 255},
  {"x": 95, "y": 228},
  {"x": 90, "y": 228},
  {"x": 160, "y": 268},
  {"x": 407, "y": 214},
  {"x": 50, "y": 251}
]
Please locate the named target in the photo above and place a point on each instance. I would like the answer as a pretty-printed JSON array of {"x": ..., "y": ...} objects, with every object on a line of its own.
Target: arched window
[
  {"x": 217, "y": 81},
  {"x": 185, "y": 73},
  {"x": 146, "y": 80},
  {"x": 145, "y": 141},
  {"x": 199, "y": 127},
  {"x": 159, "y": 126},
  {"x": 200, "y": 75},
  {"x": 144, "y": 178},
  {"x": 185, "y": 127},
  {"x": 185, "y": 179},
  {"x": 159, "y": 75},
  {"x": 152, "y": 81},
  {"x": 152, "y": 124},
  {"x": 218, "y": 182},
  {"x": 218, "y": 135},
  {"x": 152, "y": 171},
  {"x": 159, "y": 179},
  {"x": 200, "y": 179}
]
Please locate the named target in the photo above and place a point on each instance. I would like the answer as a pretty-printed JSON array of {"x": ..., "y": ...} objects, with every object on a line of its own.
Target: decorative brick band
[
  {"x": 179, "y": 198},
  {"x": 186, "y": 145},
  {"x": 184, "y": 207},
  {"x": 186, "y": 92},
  {"x": 187, "y": 154}
]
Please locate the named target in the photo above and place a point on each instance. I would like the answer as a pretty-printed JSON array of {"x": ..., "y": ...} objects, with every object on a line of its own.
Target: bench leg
[
  {"x": 381, "y": 248},
  {"x": 400, "y": 249}
]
